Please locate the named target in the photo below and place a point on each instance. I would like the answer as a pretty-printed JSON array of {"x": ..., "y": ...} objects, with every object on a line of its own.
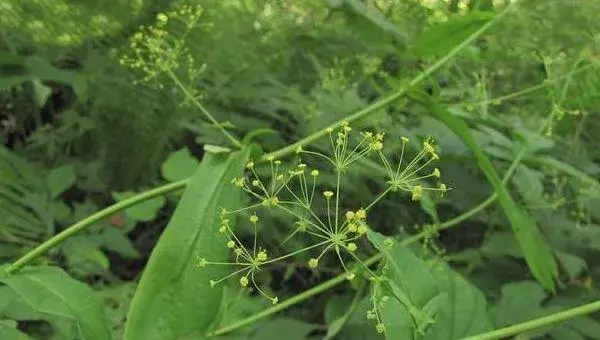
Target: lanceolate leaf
[
  {"x": 537, "y": 253},
  {"x": 50, "y": 290},
  {"x": 174, "y": 297},
  {"x": 441, "y": 38}
]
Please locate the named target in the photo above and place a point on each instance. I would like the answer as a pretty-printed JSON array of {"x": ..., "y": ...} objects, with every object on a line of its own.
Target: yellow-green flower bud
[
  {"x": 231, "y": 244},
  {"x": 352, "y": 247},
  {"x": 243, "y": 281},
  {"x": 261, "y": 256},
  {"x": 313, "y": 263},
  {"x": 417, "y": 192},
  {"x": 253, "y": 218}
]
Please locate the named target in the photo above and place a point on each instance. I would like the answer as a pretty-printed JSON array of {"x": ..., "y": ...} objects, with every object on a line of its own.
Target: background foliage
[{"x": 84, "y": 127}]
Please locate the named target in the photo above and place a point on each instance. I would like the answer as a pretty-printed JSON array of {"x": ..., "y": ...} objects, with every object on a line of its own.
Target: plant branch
[
  {"x": 202, "y": 109},
  {"x": 88, "y": 221},
  {"x": 395, "y": 96},
  {"x": 506, "y": 332}
]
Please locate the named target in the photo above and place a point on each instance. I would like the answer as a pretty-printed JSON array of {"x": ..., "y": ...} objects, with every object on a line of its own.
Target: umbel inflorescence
[{"x": 317, "y": 213}]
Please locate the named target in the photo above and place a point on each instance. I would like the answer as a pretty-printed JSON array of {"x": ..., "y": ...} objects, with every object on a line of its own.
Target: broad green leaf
[
  {"x": 428, "y": 301},
  {"x": 441, "y": 38},
  {"x": 520, "y": 302},
  {"x": 354, "y": 325},
  {"x": 8, "y": 330},
  {"x": 537, "y": 253},
  {"x": 142, "y": 212},
  {"x": 42, "y": 93},
  {"x": 530, "y": 186},
  {"x": 174, "y": 297},
  {"x": 60, "y": 179},
  {"x": 283, "y": 327},
  {"x": 375, "y": 17},
  {"x": 116, "y": 240},
  {"x": 180, "y": 164},
  {"x": 50, "y": 290},
  {"x": 501, "y": 244},
  {"x": 572, "y": 264}
]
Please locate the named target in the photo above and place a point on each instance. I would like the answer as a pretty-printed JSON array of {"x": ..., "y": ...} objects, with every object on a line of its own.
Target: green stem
[
  {"x": 535, "y": 87},
  {"x": 88, "y": 221},
  {"x": 395, "y": 96},
  {"x": 537, "y": 323},
  {"x": 202, "y": 109}
]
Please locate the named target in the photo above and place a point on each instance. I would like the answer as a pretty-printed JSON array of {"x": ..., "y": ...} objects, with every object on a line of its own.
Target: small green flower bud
[
  {"x": 350, "y": 276},
  {"x": 222, "y": 229},
  {"x": 162, "y": 17},
  {"x": 202, "y": 262},
  {"x": 436, "y": 173},
  {"x": 429, "y": 149},
  {"x": 231, "y": 244},
  {"x": 255, "y": 183},
  {"x": 350, "y": 215},
  {"x": 238, "y": 182},
  {"x": 270, "y": 158},
  {"x": 328, "y": 194},
  {"x": 377, "y": 145},
  {"x": 329, "y": 130},
  {"x": 299, "y": 149},
  {"x": 261, "y": 256},
  {"x": 253, "y": 218},
  {"x": 275, "y": 300},
  {"x": 280, "y": 177},
  {"x": 277, "y": 162},
  {"x": 361, "y": 214},
  {"x": 243, "y": 281},
  {"x": 213, "y": 283},
  {"x": 361, "y": 229},
  {"x": 443, "y": 189},
  {"x": 352, "y": 227},
  {"x": 388, "y": 243},
  {"x": 380, "y": 328},
  {"x": 314, "y": 173},
  {"x": 404, "y": 139},
  {"x": 417, "y": 192},
  {"x": 352, "y": 247},
  {"x": 302, "y": 166},
  {"x": 370, "y": 315},
  {"x": 250, "y": 165},
  {"x": 313, "y": 263}
]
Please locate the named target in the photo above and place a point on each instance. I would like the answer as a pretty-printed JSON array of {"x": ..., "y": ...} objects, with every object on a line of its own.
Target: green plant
[{"x": 409, "y": 287}]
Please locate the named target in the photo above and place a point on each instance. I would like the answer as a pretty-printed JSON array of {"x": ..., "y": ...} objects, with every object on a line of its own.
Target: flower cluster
[
  {"x": 319, "y": 215},
  {"x": 161, "y": 48}
]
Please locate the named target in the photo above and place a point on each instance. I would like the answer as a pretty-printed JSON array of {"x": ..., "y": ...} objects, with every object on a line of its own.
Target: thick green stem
[
  {"x": 395, "y": 96},
  {"x": 506, "y": 332},
  {"x": 88, "y": 221}
]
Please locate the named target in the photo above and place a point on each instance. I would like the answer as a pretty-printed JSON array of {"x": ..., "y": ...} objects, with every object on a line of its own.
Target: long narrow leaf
[
  {"x": 537, "y": 253},
  {"x": 174, "y": 297}
]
